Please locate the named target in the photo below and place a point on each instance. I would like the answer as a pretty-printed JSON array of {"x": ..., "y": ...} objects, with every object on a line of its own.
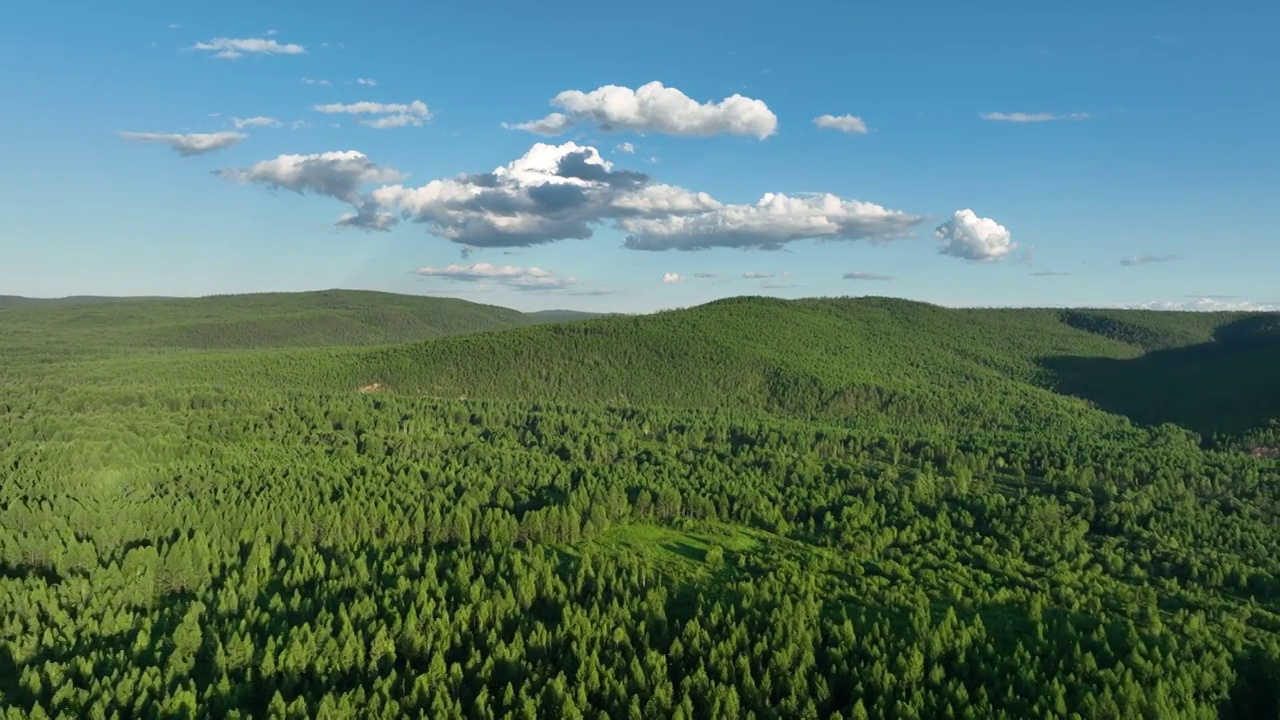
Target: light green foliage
[{"x": 755, "y": 508}]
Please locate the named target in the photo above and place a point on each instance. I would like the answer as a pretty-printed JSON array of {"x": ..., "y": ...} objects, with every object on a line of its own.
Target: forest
[{"x": 363, "y": 505}]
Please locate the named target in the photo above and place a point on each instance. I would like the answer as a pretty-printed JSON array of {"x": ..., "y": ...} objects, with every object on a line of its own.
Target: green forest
[{"x": 364, "y": 505}]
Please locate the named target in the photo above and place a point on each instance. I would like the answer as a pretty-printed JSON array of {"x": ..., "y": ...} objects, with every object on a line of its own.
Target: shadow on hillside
[{"x": 1227, "y": 386}]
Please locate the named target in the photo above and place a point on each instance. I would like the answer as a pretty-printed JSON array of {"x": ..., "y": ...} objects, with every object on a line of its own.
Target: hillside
[
  {"x": 873, "y": 357},
  {"x": 859, "y": 361},
  {"x": 78, "y": 326},
  {"x": 753, "y": 508}
]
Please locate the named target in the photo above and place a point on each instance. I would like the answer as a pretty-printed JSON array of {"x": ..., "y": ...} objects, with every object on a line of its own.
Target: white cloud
[
  {"x": 1021, "y": 117},
  {"x": 1208, "y": 304},
  {"x": 388, "y": 115},
  {"x": 560, "y": 192},
  {"x": 970, "y": 237},
  {"x": 1149, "y": 259},
  {"x": 866, "y": 276},
  {"x": 366, "y": 81},
  {"x": 626, "y": 147},
  {"x": 338, "y": 175},
  {"x": 273, "y": 32},
  {"x": 258, "y": 121},
  {"x": 551, "y": 193},
  {"x": 672, "y": 278},
  {"x": 773, "y": 221},
  {"x": 843, "y": 123},
  {"x": 238, "y": 47},
  {"x": 553, "y": 124},
  {"x": 314, "y": 81},
  {"x": 757, "y": 275},
  {"x": 299, "y": 124},
  {"x": 654, "y": 107},
  {"x": 190, "y": 143},
  {"x": 174, "y": 26},
  {"x": 511, "y": 276}
]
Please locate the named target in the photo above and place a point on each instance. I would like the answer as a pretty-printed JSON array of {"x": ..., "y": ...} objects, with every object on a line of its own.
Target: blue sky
[{"x": 1109, "y": 156}]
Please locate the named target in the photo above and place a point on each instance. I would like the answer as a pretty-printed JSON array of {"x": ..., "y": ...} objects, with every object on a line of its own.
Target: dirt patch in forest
[
  {"x": 1265, "y": 452},
  {"x": 372, "y": 388}
]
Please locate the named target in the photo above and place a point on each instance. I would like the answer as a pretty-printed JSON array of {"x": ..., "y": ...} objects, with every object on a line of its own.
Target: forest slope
[
  {"x": 868, "y": 361},
  {"x": 874, "y": 357},
  {"x": 849, "y": 508},
  {"x": 77, "y": 326}
]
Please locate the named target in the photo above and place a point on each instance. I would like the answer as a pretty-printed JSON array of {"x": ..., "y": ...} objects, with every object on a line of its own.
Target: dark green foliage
[
  {"x": 1226, "y": 387},
  {"x": 1149, "y": 329},
  {"x": 756, "y": 508}
]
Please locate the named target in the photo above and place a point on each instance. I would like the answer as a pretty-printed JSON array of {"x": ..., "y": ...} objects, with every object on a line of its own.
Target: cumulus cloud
[
  {"x": 970, "y": 237},
  {"x": 366, "y": 81},
  {"x": 653, "y": 107},
  {"x": 866, "y": 276},
  {"x": 188, "y": 144},
  {"x": 510, "y": 276},
  {"x": 705, "y": 275},
  {"x": 844, "y": 123},
  {"x": 757, "y": 275},
  {"x": 1149, "y": 259},
  {"x": 1021, "y": 117},
  {"x": 314, "y": 81},
  {"x": 258, "y": 121},
  {"x": 338, "y": 175},
  {"x": 773, "y": 221},
  {"x": 626, "y": 147},
  {"x": 560, "y": 192},
  {"x": 672, "y": 278},
  {"x": 238, "y": 47},
  {"x": 385, "y": 115}
]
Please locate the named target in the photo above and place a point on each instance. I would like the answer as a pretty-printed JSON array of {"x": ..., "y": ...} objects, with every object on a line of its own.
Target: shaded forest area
[
  {"x": 1222, "y": 387},
  {"x": 755, "y": 508}
]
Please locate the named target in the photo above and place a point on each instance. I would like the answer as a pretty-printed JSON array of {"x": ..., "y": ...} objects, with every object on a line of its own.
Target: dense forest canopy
[{"x": 351, "y": 505}]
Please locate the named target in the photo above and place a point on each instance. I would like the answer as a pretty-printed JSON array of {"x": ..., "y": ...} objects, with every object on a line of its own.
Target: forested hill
[
  {"x": 89, "y": 325},
  {"x": 866, "y": 360},
  {"x": 874, "y": 357},
  {"x": 754, "y": 508}
]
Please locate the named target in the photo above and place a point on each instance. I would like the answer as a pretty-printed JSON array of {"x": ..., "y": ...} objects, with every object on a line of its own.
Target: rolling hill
[
  {"x": 864, "y": 361},
  {"x": 276, "y": 506},
  {"x": 874, "y": 358},
  {"x": 77, "y": 326}
]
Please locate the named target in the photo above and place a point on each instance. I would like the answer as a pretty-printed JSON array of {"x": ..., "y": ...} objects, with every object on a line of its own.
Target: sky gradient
[{"x": 595, "y": 156}]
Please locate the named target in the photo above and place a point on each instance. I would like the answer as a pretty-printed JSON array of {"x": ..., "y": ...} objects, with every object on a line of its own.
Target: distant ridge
[
  {"x": 872, "y": 360},
  {"x": 82, "y": 325}
]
